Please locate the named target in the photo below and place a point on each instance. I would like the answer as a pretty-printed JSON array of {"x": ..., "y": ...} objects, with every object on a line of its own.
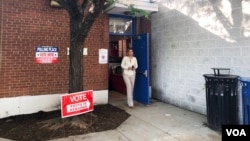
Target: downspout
[{"x": 1, "y": 35}]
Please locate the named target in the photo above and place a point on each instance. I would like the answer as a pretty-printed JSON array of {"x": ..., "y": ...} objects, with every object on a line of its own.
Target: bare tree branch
[
  {"x": 91, "y": 16},
  {"x": 83, "y": 6},
  {"x": 63, "y": 4}
]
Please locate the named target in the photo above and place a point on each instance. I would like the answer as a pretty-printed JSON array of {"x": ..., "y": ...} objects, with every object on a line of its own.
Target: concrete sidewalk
[{"x": 155, "y": 122}]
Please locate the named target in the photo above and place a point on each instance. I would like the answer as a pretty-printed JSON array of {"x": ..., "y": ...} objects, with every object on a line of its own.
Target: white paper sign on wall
[{"x": 103, "y": 56}]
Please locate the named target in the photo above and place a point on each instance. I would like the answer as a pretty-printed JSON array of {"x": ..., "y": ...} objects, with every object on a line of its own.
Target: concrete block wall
[{"x": 191, "y": 37}]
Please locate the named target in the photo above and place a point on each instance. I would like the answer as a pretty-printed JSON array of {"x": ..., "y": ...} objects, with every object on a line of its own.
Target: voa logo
[{"x": 236, "y": 132}]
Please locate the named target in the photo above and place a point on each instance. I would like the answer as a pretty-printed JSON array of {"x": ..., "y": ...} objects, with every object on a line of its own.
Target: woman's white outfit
[{"x": 129, "y": 77}]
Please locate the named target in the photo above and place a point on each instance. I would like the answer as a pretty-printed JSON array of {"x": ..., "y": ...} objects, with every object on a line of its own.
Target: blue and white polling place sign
[{"x": 46, "y": 55}]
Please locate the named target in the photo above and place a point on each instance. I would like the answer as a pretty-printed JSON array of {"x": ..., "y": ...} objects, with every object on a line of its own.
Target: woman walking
[{"x": 129, "y": 65}]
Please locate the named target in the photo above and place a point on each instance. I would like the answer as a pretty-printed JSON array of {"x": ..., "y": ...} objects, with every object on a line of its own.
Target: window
[
  {"x": 120, "y": 25},
  {"x": 122, "y": 48}
]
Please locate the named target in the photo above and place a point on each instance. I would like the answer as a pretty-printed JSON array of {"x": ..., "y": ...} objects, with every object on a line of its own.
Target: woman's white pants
[{"x": 129, "y": 82}]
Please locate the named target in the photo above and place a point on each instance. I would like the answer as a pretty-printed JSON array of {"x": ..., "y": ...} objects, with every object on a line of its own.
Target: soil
[{"x": 35, "y": 127}]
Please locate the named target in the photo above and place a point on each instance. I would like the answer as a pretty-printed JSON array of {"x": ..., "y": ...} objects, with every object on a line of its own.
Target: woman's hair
[{"x": 129, "y": 49}]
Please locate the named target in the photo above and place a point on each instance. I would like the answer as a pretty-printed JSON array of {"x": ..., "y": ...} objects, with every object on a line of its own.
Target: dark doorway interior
[{"x": 118, "y": 46}]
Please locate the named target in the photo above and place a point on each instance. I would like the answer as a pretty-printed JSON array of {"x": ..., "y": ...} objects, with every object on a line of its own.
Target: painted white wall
[
  {"x": 31, "y": 104},
  {"x": 189, "y": 37}
]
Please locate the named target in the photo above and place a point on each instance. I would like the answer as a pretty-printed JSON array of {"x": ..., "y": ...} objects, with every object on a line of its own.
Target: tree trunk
[
  {"x": 76, "y": 67},
  {"x": 80, "y": 24}
]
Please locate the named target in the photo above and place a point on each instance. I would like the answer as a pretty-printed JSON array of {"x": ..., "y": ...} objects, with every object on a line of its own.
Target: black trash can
[
  {"x": 221, "y": 99},
  {"x": 245, "y": 84}
]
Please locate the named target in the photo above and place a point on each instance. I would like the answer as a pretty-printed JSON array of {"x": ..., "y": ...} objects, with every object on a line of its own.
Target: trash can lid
[{"x": 221, "y": 76}]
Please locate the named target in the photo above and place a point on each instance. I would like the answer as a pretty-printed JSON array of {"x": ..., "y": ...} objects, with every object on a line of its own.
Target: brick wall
[
  {"x": 96, "y": 75},
  {"x": 27, "y": 24},
  {"x": 143, "y": 25},
  {"x": 0, "y": 36}
]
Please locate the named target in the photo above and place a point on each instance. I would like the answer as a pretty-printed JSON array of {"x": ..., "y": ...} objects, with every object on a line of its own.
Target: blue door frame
[{"x": 140, "y": 45}]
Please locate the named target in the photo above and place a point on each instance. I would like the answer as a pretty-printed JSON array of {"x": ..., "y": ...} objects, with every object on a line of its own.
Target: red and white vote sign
[{"x": 77, "y": 103}]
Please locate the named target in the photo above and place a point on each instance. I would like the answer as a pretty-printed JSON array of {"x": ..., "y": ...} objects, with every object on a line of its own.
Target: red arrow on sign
[{"x": 77, "y": 103}]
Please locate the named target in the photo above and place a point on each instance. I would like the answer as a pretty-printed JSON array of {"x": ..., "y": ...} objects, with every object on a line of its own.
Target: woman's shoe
[{"x": 131, "y": 107}]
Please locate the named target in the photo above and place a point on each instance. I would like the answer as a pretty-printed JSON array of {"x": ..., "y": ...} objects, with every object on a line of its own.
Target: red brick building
[{"x": 26, "y": 86}]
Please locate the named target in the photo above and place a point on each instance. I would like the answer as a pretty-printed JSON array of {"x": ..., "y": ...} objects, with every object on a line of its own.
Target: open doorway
[
  {"x": 118, "y": 46},
  {"x": 121, "y": 31},
  {"x": 123, "y": 35}
]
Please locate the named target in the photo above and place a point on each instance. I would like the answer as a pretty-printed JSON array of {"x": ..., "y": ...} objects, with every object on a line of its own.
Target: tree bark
[
  {"x": 76, "y": 66},
  {"x": 80, "y": 25}
]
